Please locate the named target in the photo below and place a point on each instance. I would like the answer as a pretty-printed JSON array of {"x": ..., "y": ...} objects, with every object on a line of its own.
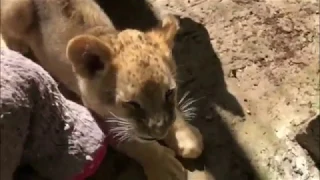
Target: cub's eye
[
  {"x": 169, "y": 94},
  {"x": 133, "y": 105}
]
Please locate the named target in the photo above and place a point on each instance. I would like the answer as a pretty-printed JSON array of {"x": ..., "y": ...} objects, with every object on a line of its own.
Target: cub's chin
[
  {"x": 145, "y": 140},
  {"x": 148, "y": 138}
]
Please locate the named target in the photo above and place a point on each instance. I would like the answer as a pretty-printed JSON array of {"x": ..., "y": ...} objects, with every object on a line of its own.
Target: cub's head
[{"x": 129, "y": 76}]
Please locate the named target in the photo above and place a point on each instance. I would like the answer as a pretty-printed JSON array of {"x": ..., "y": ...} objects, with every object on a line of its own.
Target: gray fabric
[{"x": 38, "y": 125}]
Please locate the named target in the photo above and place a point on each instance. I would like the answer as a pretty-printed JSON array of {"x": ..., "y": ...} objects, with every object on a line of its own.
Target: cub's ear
[
  {"x": 168, "y": 29},
  {"x": 89, "y": 55}
]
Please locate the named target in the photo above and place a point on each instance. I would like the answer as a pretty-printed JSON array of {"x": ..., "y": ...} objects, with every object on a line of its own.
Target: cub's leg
[
  {"x": 184, "y": 138},
  {"x": 158, "y": 162},
  {"x": 16, "y": 19}
]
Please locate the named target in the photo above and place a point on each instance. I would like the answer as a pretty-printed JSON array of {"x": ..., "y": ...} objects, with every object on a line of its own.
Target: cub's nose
[{"x": 158, "y": 129}]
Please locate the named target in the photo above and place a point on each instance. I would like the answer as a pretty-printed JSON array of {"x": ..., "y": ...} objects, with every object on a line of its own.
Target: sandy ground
[{"x": 253, "y": 65}]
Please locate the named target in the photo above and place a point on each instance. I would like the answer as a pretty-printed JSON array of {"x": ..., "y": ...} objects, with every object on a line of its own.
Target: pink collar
[{"x": 92, "y": 166}]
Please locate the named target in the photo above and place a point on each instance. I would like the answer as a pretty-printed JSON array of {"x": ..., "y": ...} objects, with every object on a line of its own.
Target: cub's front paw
[
  {"x": 164, "y": 166},
  {"x": 187, "y": 141}
]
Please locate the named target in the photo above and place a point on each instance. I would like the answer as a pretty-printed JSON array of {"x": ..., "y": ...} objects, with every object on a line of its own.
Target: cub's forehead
[
  {"x": 132, "y": 35},
  {"x": 137, "y": 38},
  {"x": 143, "y": 71},
  {"x": 141, "y": 90},
  {"x": 142, "y": 63},
  {"x": 141, "y": 77},
  {"x": 145, "y": 56},
  {"x": 145, "y": 88}
]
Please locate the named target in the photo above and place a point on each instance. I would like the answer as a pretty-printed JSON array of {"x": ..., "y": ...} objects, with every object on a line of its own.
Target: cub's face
[{"x": 129, "y": 78}]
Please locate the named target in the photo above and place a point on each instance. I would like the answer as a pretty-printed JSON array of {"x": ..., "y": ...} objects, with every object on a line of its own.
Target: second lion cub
[{"x": 127, "y": 75}]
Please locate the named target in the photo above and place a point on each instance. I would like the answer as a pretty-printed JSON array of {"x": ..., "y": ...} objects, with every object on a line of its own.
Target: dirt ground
[
  {"x": 254, "y": 67},
  {"x": 253, "y": 64}
]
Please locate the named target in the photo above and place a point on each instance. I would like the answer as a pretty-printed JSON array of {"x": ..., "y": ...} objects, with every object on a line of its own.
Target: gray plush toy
[{"x": 39, "y": 127}]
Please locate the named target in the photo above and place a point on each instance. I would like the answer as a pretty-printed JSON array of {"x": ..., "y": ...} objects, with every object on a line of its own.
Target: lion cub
[{"x": 128, "y": 77}]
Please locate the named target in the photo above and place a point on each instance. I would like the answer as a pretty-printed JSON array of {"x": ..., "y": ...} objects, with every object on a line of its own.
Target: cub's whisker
[
  {"x": 183, "y": 97},
  {"x": 188, "y": 103},
  {"x": 117, "y": 121},
  {"x": 122, "y": 130},
  {"x": 186, "y": 106}
]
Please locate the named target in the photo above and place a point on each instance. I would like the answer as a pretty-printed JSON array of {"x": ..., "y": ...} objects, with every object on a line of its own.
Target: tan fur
[
  {"x": 126, "y": 74},
  {"x": 2, "y": 42}
]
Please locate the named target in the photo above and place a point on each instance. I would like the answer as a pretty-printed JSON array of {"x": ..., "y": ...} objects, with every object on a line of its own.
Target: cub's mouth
[
  {"x": 155, "y": 134},
  {"x": 147, "y": 138},
  {"x": 151, "y": 137}
]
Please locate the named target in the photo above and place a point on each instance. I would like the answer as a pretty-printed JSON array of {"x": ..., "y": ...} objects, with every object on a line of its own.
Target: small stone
[
  {"x": 285, "y": 24},
  {"x": 233, "y": 73}
]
